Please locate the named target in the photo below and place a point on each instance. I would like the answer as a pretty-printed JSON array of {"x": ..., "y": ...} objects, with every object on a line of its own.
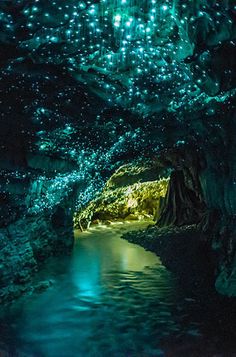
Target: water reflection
[
  {"x": 100, "y": 251},
  {"x": 110, "y": 298}
]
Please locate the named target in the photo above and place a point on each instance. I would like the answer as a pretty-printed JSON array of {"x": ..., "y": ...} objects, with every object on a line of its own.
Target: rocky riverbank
[
  {"x": 24, "y": 246},
  {"x": 184, "y": 250}
]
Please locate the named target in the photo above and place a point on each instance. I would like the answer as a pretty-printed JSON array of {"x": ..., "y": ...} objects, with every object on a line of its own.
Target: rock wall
[
  {"x": 29, "y": 233},
  {"x": 202, "y": 191},
  {"x": 182, "y": 204},
  {"x": 24, "y": 245},
  {"x": 133, "y": 192}
]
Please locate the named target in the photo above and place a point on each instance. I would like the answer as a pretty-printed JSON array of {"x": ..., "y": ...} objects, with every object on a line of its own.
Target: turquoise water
[{"x": 113, "y": 298}]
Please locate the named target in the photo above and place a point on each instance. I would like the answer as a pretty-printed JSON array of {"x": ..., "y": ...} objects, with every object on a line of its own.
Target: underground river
[{"x": 113, "y": 298}]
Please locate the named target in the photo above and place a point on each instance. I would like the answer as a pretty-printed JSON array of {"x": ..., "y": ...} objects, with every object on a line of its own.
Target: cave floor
[{"x": 113, "y": 298}]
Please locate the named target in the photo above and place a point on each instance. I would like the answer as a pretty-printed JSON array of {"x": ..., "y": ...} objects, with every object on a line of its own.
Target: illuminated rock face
[
  {"x": 89, "y": 86},
  {"x": 133, "y": 192}
]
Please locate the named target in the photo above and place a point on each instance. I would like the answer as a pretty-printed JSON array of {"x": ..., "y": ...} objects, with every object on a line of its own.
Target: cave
[{"x": 117, "y": 178}]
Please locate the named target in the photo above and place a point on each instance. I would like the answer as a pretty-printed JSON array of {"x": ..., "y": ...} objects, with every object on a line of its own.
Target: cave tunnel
[{"x": 117, "y": 178}]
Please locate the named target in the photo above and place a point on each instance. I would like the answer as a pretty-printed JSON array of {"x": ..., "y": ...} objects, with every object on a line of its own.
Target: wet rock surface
[
  {"x": 25, "y": 244},
  {"x": 183, "y": 250}
]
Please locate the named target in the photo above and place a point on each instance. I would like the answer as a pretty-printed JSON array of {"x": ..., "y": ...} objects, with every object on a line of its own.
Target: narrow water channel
[{"x": 112, "y": 298}]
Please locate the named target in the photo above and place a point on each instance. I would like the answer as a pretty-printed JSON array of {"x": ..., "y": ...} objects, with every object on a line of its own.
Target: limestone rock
[{"x": 125, "y": 198}]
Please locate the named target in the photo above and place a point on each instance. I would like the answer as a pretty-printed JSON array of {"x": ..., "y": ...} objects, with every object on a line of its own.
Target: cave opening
[{"x": 134, "y": 192}]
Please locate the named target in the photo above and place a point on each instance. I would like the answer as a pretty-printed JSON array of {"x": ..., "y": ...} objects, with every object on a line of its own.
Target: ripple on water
[{"x": 110, "y": 298}]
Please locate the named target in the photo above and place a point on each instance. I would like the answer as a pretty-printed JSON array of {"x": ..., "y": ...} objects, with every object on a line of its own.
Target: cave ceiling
[{"x": 99, "y": 83}]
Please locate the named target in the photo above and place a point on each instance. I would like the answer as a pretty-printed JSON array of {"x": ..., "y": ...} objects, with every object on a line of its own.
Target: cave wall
[
  {"x": 202, "y": 191},
  {"x": 182, "y": 205},
  {"x": 133, "y": 192},
  {"x": 28, "y": 237}
]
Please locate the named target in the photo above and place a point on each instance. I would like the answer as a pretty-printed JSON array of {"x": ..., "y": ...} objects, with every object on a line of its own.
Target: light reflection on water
[{"x": 110, "y": 298}]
